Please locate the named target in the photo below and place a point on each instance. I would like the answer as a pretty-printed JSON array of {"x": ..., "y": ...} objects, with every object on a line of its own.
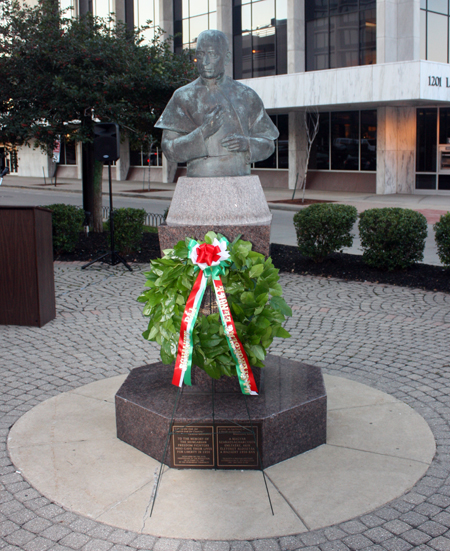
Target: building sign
[{"x": 438, "y": 81}]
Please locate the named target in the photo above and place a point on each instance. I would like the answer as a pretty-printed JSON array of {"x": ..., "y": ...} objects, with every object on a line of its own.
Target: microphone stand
[{"x": 115, "y": 257}]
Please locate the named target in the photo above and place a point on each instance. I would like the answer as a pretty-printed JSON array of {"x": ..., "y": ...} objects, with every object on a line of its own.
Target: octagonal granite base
[{"x": 288, "y": 416}]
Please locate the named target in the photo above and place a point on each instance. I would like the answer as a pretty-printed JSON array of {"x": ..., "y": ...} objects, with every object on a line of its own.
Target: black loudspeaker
[{"x": 106, "y": 142}]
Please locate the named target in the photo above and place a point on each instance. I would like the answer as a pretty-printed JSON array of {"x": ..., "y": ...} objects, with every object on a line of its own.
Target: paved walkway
[{"x": 394, "y": 339}]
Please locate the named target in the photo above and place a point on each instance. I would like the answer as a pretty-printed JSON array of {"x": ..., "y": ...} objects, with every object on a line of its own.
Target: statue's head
[{"x": 212, "y": 54}]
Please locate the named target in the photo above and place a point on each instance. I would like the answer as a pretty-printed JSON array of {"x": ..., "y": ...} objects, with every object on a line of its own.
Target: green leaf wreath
[{"x": 254, "y": 296}]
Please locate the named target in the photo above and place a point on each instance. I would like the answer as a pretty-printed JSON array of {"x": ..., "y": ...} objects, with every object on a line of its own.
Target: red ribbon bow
[{"x": 207, "y": 254}]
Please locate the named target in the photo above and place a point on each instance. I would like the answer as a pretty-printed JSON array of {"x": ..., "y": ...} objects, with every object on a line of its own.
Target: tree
[
  {"x": 59, "y": 75},
  {"x": 311, "y": 126}
]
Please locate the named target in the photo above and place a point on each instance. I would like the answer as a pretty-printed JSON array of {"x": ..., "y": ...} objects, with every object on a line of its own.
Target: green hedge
[
  {"x": 324, "y": 228},
  {"x": 128, "y": 230},
  {"x": 442, "y": 238},
  {"x": 392, "y": 238},
  {"x": 67, "y": 222}
]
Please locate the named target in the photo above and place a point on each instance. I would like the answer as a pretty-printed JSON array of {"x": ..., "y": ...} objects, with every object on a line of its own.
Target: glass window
[
  {"x": 191, "y": 17},
  {"x": 425, "y": 181},
  {"x": 319, "y": 158},
  {"x": 367, "y": 37},
  {"x": 368, "y": 140},
  {"x": 65, "y": 5},
  {"x": 102, "y": 8},
  {"x": 353, "y": 138},
  {"x": 344, "y": 40},
  {"x": 317, "y": 50},
  {"x": 141, "y": 157},
  {"x": 444, "y": 125},
  {"x": 68, "y": 154},
  {"x": 345, "y": 140},
  {"x": 437, "y": 33},
  {"x": 199, "y": 7},
  {"x": 426, "y": 140},
  {"x": 423, "y": 34},
  {"x": 444, "y": 182},
  {"x": 280, "y": 157},
  {"x": 260, "y": 38},
  {"x": 342, "y": 34},
  {"x": 145, "y": 11},
  {"x": 439, "y": 6},
  {"x": 434, "y": 31}
]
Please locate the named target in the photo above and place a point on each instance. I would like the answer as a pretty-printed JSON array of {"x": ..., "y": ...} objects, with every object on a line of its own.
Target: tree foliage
[{"x": 59, "y": 73}]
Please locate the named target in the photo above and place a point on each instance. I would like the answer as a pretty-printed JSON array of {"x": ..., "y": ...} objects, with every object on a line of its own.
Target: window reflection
[
  {"x": 341, "y": 34},
  {"x": 346, "y": 140},
  {"x": 260, "y": 38},
  {"x": 426, "y": 140},
  {"x": 280, "y": 157},
  {"x": 439, "y": 6},
  {"x": 434, "y": 33},
  {"x": 437, "y": 33},
  {"x": 144, "y": 11},
  {"x": 191, "y": 17}
]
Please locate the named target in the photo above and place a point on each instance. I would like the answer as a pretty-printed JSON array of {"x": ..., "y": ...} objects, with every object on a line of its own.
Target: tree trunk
[
  {"x": 97, "y": 212},
  {"x": 92, "y": 183}
]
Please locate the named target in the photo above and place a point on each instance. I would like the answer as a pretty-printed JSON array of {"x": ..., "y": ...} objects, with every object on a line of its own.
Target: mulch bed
[
  {"x": 300, "y": 202},
  {"x": 348, "y": 267}
]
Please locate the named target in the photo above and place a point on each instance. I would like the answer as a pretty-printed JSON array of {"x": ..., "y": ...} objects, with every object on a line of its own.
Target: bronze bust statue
[{"x": 215, "y": 124}]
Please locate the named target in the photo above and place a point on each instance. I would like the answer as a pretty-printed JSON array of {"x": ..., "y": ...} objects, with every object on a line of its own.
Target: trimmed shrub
[
  {"x": 442, "y": 238},
  {"x": 67, "y": 222},
  {"x": 392, "y": 238},
  {"x": 324, "y": 228},
  {"x": 128, "y": 230}
]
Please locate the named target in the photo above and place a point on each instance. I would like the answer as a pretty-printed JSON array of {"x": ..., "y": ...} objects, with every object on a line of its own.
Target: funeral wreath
[{"x": 247, "y": 292}]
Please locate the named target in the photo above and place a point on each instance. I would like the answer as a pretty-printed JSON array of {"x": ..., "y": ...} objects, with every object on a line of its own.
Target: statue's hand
[
  {"x": 236, "y": 143},
  {"x": 213, "y": 122}
]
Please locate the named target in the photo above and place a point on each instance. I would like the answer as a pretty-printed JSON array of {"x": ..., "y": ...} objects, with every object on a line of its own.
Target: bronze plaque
[
  {"x": 236, "y": 447},
  {"x": 193, "y": 446}
]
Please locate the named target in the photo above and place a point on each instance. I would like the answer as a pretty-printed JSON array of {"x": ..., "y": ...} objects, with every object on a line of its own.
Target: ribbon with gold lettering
[{"x": 211, "y": 260}]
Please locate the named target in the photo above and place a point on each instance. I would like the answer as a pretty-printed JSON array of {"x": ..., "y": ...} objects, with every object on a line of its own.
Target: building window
[
  {"x": 102, "y": 8},
  {"x": 340, "y": 33},
  {"x": 191, "y": 17},
  {"x": 8, "y": 158},
  {"x": 433, "y": 149},
  {"x": 280, "y": 157},
  {"x": 346, "y": 140},
  {"x": 68, "y": 154},
  {"x": 259, "y": 38},
  {"x": 146, "y": 12},
  {"x": 434, "y": 30},
  {"x": 139, "y": 157},
  {"x": 68, "y": 5}
]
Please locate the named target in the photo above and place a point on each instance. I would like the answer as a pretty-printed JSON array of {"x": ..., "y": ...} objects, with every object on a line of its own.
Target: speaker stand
[{"x": 115, "y": 257}]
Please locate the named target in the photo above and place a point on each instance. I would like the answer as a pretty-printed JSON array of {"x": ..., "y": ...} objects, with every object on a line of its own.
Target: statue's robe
[{"x": 244, "y": 115}]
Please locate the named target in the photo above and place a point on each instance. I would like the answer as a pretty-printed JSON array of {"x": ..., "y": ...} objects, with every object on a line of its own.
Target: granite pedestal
[
  {"x": 232, "y": 206},
  {"x": 288, "y": 417}
]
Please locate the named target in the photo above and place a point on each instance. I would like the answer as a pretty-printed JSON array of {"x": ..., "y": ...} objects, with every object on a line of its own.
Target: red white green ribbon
[{"x": 211, "y": 259}]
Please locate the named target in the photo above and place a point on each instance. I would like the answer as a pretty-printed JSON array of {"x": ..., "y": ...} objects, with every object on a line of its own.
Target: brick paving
[{"x": 393, "y": 339}]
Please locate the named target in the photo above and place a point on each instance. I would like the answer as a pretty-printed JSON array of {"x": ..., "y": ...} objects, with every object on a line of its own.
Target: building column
[
  {"x": 166, "y": 17},
  {"x": 296, "y": 36},
  {"x": 297, "y": 148},
  {"x": 168, "y": 170},
  {"x": 79, "y": 157},
  {"x": 123, "y": 163},
  {"x": 396, "y": 143},
  {"x": 398, "y": 30},
  {"x": 225, "y": 24}
]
